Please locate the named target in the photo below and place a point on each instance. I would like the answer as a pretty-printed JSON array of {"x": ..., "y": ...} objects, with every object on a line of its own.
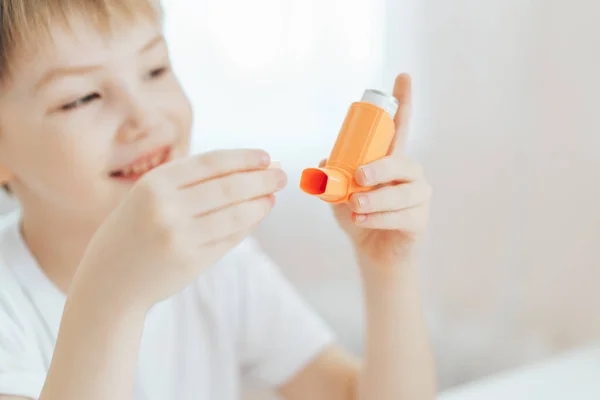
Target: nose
[{"x": 138, "y": 122}]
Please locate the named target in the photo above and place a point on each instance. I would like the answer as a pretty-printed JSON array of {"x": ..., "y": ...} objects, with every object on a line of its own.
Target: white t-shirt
[{"x": 241, "y": 319}]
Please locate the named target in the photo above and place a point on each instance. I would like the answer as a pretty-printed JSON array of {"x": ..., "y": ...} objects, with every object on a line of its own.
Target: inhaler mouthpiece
[{"x": 329, "y": 184}]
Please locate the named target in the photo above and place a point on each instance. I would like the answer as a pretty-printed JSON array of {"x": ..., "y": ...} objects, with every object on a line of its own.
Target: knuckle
[
  {"x": 228, "y": 188},
  {"x": 354, "y": 203},
  {"x": 210, "y": 162}
]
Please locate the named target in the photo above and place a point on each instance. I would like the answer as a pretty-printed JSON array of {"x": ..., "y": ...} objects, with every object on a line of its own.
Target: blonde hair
[{"x": 25, "y": 24}]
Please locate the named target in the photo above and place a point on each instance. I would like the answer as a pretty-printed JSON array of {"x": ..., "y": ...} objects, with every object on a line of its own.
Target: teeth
[
  {"x": 155, "y": 161},
  {"x": 144, "y": 166}
]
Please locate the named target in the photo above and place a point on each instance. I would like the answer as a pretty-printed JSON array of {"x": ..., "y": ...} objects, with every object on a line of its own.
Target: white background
[
  {"x": 506, "y": 105},
  {"x": 505, "y": 125}
]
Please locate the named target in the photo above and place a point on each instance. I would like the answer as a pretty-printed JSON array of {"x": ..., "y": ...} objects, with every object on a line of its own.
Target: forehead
[
  {"x": 79, "y": 43},
  {"x": 83, "y": 42}
]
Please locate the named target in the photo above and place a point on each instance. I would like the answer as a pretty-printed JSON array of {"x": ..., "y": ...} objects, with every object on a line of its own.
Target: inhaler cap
[{"x": 383, "y": 100}]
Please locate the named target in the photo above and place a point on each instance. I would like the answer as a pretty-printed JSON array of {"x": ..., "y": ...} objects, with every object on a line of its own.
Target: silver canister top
[{"x": 383, "y": 100}]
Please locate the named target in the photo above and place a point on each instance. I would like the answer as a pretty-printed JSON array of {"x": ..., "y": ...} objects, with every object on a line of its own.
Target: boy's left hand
[{"x": 385, "y": 223}]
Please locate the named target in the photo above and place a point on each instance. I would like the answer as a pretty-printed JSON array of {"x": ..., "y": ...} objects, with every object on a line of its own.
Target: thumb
[{"x": 402, "y": 93}]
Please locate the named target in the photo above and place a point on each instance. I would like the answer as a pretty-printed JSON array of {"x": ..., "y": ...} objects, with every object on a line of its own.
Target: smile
[{"x": 141, "y": 165}]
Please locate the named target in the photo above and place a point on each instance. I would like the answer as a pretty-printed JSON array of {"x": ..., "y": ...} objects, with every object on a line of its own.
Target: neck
[{"x": 57, "y": 240}]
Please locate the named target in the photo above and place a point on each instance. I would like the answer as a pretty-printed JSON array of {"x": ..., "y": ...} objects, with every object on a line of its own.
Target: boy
[{"x": 167, "y": 298}]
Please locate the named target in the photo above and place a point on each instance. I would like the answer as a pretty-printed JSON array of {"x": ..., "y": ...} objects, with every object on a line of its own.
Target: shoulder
[
  {"x": 15, "y": 304},
  {"x": 22, "y": 369},
  {"x": 12, "y": 324},
  {"x": 9, "y": 284}
]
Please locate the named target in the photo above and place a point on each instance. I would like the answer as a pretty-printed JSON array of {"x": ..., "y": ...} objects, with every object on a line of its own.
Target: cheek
[
  {"x": 186, "y": 116},
  {"x": 68, "y": 160},
  {"x": 183, "y": 113},
  {"x": 179, "y": 107}
]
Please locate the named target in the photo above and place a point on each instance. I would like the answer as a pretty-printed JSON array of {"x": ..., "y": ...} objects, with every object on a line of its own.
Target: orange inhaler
[{"x": 366, "y": 136}]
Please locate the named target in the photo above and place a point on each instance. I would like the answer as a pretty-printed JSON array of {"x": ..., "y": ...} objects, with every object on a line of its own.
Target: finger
[
  {"x": 231, "y": 220},
  {"x": 218, "y": 193},
  {"x": 322, "y": 163},
  {"x": 412, "y": 220},
  {"x": 275, "y": 164},
  {"x": 197, "y": 169},
  {"x": 389, "y": 169},
  {"x": 223, "y": 245},
  {"x": 402, "y": 93},
  {"x": 390, "y": 198}
]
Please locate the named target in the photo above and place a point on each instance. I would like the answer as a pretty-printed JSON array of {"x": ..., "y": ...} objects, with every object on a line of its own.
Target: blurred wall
[
  {"x": 280, "y": 75},
  {"x": 506, "y": 125},
  {"x": 508, "y": 135}
]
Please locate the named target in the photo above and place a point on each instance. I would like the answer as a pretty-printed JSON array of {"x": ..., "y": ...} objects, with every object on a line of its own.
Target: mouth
[{"x": 142, "y": 165}]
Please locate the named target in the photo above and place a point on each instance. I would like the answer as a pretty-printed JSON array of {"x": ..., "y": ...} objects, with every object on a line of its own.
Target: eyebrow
[
  {"x": 160, "y": 38},
  {"x": 57, "y": 73}
]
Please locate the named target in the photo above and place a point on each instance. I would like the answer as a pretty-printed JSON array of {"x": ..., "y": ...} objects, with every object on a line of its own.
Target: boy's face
[{"x": 83, "y": 120}]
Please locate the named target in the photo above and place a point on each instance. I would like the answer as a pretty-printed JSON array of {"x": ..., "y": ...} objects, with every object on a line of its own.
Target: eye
[
  {"x": 158, "y": 72},
  {"x": 82, "y": 101}
]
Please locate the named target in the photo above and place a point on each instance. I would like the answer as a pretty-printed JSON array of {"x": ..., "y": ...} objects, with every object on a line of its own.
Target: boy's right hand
[{"x": 178, "y": 220}]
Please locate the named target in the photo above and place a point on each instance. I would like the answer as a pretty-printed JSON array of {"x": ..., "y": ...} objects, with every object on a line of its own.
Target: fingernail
[
  {"x": 368, "y": 175},
  {"x": 360, "y": 218},
  {"x": 265, "y": 160},
  {"x": 281, "y": 179},
  {"x": 363, "y": 201}
]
